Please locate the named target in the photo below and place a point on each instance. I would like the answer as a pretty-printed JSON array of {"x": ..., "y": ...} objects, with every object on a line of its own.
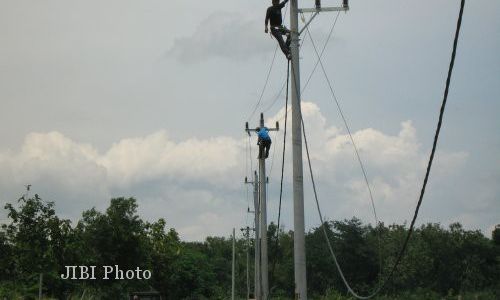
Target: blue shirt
[{"x": 264, "y": 134}]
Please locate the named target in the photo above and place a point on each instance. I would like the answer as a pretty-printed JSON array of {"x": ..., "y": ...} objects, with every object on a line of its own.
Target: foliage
[{"x": 440, "y": 263}]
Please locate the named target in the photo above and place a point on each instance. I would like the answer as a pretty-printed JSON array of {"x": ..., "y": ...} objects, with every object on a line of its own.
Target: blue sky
[{"x": 149, "y": 99}]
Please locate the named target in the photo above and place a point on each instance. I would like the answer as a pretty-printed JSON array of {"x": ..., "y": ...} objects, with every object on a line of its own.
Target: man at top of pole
[
  {"x": 273, "y": 16},
  {"x": 264, "y": 142}
]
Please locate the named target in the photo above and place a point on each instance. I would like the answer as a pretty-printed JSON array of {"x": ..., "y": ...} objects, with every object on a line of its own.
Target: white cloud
[
  {"x": 139, "y": 159},
  {"x": 196, "y": 184}
]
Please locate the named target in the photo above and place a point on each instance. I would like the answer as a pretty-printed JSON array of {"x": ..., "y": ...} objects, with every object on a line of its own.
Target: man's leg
[
  {"x": 268, "y": 146},
  {"x": 278, "y": 36},
  {"x": 286, "y": 32}
]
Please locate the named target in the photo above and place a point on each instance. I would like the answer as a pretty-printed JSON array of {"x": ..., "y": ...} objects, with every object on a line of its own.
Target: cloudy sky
[{"x": 102, "y": 99}]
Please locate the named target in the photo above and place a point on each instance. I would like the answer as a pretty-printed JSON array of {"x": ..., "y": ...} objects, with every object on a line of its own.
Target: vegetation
[{"x": 440, "y": 262}]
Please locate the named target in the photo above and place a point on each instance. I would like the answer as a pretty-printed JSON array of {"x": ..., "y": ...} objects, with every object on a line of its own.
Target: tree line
[{"x": 439, "y": 262}]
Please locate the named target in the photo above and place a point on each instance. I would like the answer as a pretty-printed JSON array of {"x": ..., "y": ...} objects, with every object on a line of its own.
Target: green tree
[
  {"x": 117, "y": 237},
  {"x": 36, "y": 239}
]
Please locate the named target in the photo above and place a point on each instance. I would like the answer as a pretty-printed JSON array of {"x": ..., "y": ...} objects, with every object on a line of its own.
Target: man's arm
[
  {"x": 282, "y": 4},
  {"x": 267, "y": 20}
]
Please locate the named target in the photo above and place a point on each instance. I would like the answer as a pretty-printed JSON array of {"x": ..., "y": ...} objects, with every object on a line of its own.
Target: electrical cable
[
  {"x": 315, "y": 65},
  {"x": 284, "y": 147},
  {"x": 360, "y": 162},
  {"x": 282, "y": 175},
  {"x": 422, "y": 192},
  {"x": 265, "y": 85},
  {"x": 274, "y": 154},
  {"x": 347, "y": 127},
  {"x": 436, "y": 137},
  {"x": 321, "y": 54}
]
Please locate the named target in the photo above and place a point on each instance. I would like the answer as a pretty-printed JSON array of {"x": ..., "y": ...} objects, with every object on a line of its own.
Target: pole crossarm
[
  {"x": 316, "y": 10},
  {"x": 320, "y": 9},
  {"x": 248, "y": 130}
]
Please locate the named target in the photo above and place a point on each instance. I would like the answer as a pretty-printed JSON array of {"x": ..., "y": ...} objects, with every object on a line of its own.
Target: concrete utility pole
[
  {"x": 298, "y": 180},
  {"x": 257, "y": 282},
  {"x": 299, "y": 246},
  {"x": 263, "y": 216},
  {"x": 232, "y": 281},
  {"x": 246, "y": 233}
]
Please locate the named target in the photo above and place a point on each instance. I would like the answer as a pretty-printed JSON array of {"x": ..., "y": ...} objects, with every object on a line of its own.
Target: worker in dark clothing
[
  {"x": 264, "y": 141},
  {"x": 273, "y": 16}
]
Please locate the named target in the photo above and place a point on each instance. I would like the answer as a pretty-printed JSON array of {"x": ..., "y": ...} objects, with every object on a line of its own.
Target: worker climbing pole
[{"x": 278, "y": 30}]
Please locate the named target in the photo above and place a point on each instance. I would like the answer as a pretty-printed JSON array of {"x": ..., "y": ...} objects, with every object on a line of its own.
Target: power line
[
  {"x": 315, "y": 65},
  {"x": 360, "y": 162},
  {"x": 284, "y": 147},
  {"x": 436, "y": 137},
  {"x": 322, "y": 51},
  {"x": 274, "y": 154},
  {"x": 282, "y": 175},
  {"x": 334, "y": 97},
  {"x": 422, "y": 192},
  {"x": 265, "y": 85}
]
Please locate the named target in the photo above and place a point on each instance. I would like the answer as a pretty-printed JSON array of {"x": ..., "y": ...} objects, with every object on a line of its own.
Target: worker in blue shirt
[{"x": 264, "y": 141}]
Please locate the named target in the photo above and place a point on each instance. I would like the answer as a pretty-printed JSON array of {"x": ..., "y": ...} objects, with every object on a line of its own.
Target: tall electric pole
[
  {"x": 299, "y": 246},
  {"x": 263, "y": 215}
]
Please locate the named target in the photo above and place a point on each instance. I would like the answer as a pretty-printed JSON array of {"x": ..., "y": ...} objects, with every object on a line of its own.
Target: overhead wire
[
  {"x": 422, "y": 192},
  {"x": 284, "y": 148},
  {"x": 274, "y": 154},
  {"x": 339, "y": 108},
  {"x": 436, "y": 136},
  {"x": 265, "y": 84},
  {"x": 282, "y": 175},
  {"x": 322, "y": 51},
  {"x": 360, "y": 161},
  {"x": 330, "y": 34}
]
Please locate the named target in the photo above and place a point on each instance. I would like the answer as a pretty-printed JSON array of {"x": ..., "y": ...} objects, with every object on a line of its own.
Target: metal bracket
[
  {"x": 308, "y": 22},
  {"x": 320, "y": 9}
]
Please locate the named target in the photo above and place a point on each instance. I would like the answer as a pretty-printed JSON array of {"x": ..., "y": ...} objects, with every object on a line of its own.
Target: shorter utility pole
[
  {"x": 246, "y": 233},
  {"x": 263, "y": 210},
  {"x": 257, "y": 281},
  {"x": 234, "y": 249}
]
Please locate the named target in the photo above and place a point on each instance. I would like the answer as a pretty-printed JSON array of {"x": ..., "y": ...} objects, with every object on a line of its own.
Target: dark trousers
[
  {"x": 278, "y": 33},
  {"x": 264, "y": 146}
]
